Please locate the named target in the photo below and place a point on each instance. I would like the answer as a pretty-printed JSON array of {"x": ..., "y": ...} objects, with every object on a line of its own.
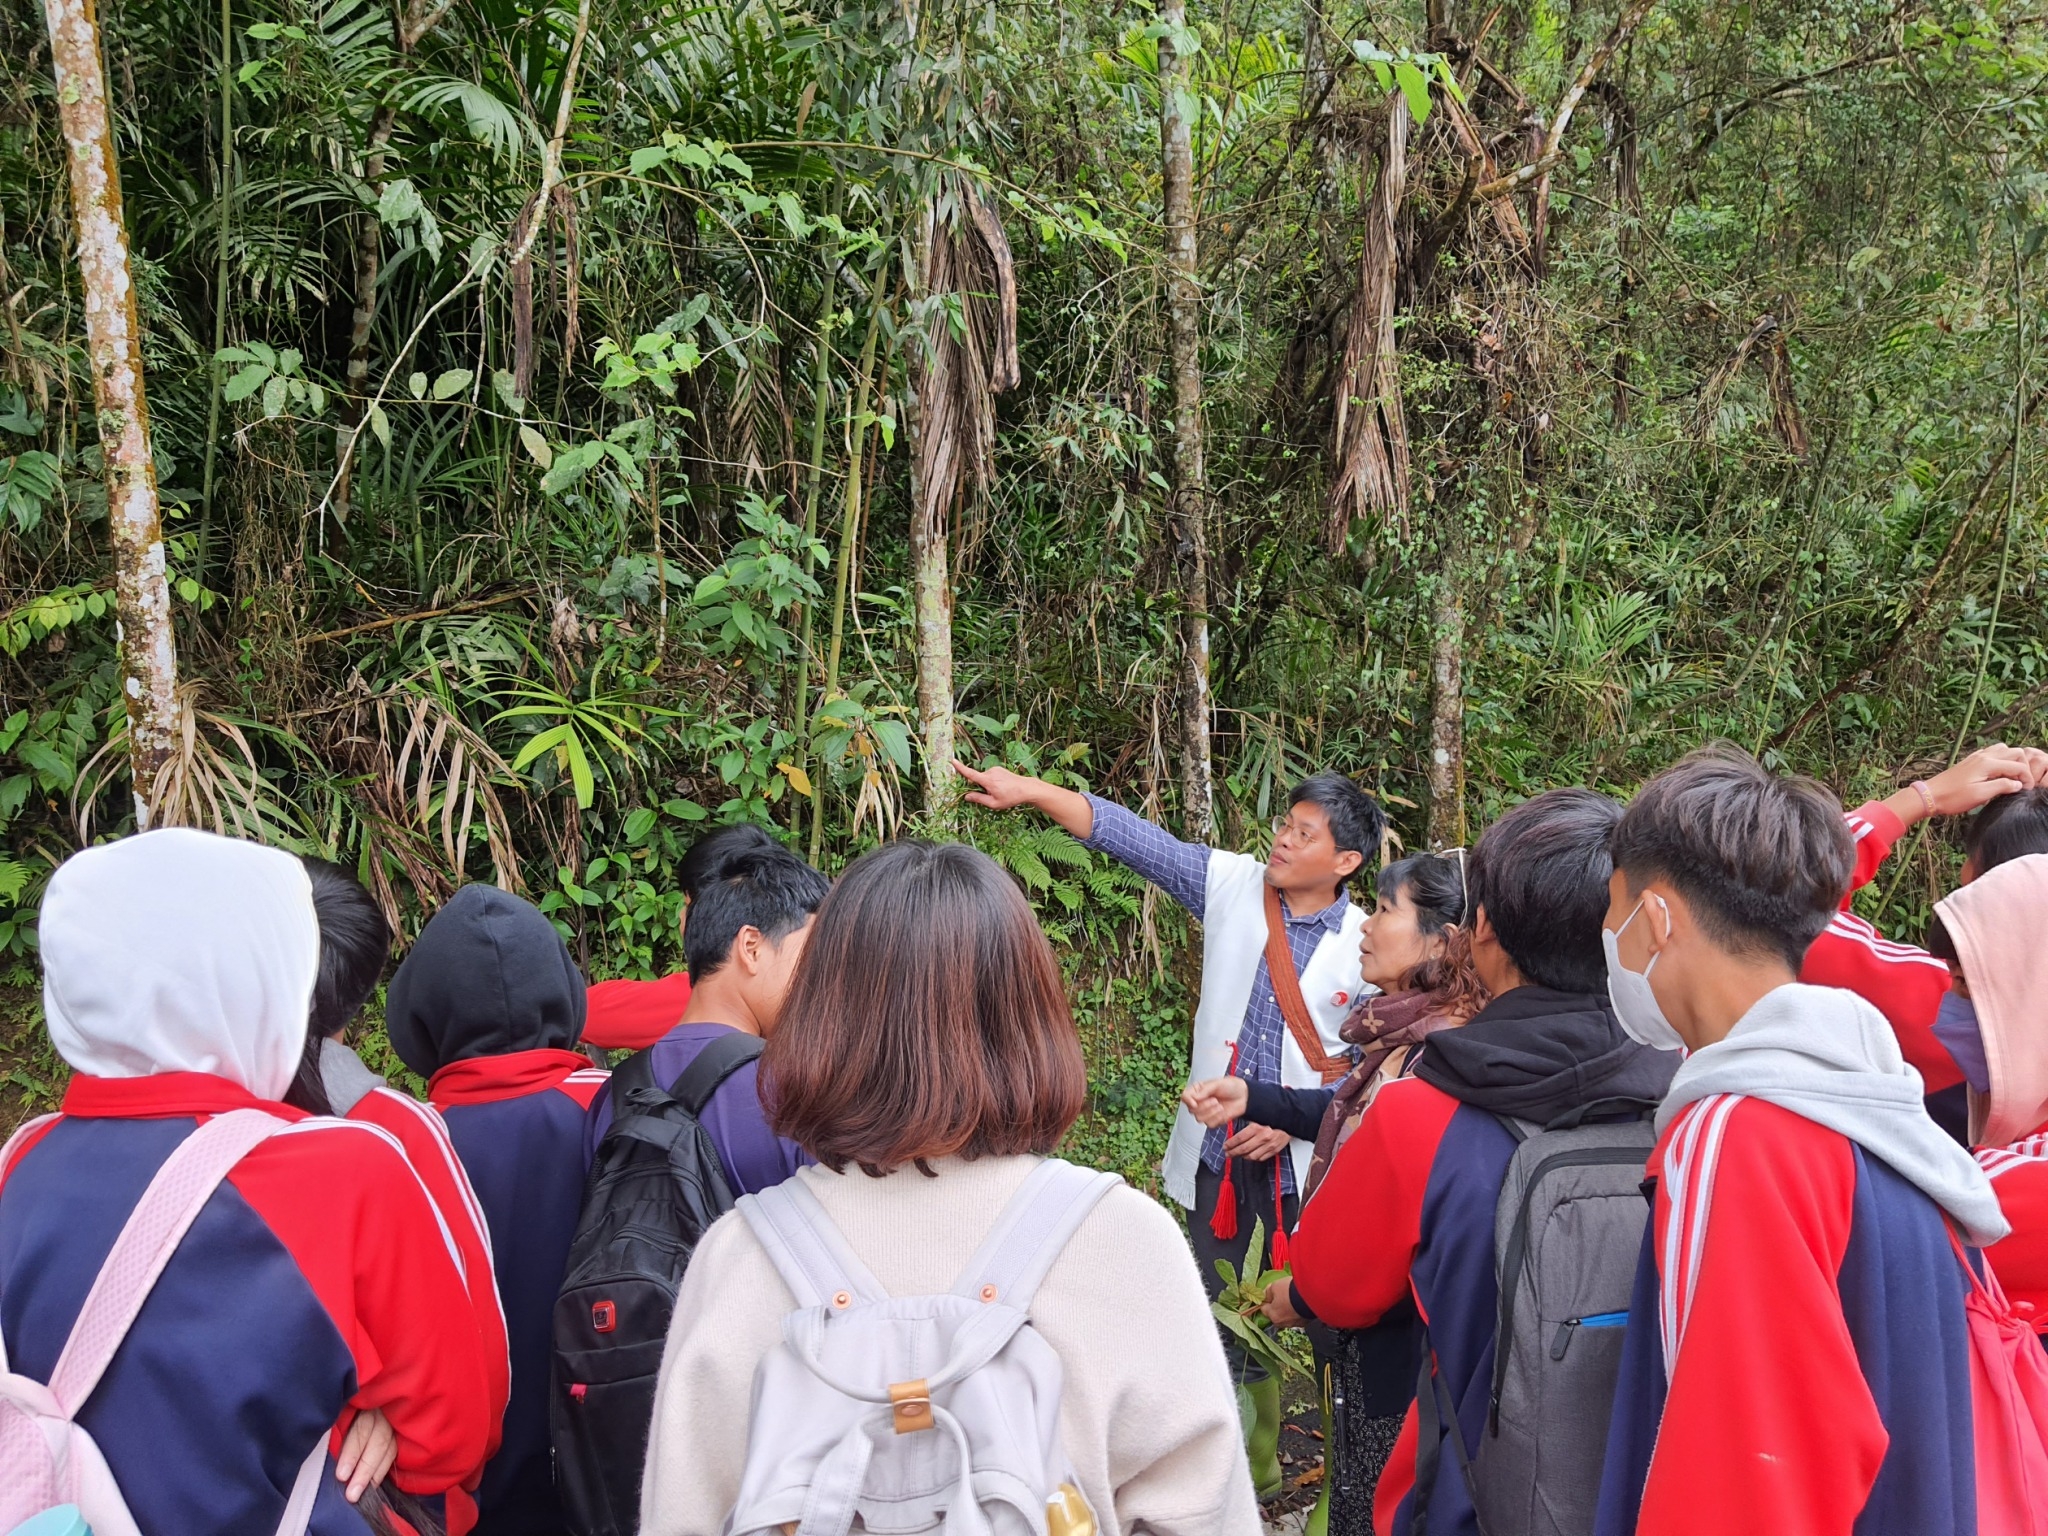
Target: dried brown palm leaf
[{"x": 1370, "y": 440}]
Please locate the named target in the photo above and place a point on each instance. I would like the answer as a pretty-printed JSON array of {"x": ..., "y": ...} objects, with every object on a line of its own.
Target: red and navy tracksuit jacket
[
  {"x": 1796, "y": 1359},
  {"x": 1411, "y": 1202},
  {"x": 517, "y": 1124},
  {"x": 420, "y": 1130},
  {"x": 316, "y": 1282},
  {"x": 1906, "y": 984}
]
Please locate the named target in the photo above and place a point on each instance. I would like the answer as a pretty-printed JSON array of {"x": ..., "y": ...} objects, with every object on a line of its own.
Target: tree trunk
[
  {"x": 1318, "y": 93},
  {"x": 934, "y": 433},
  {"x": 369, "y": 261},
  {"x": 1188, "y": 524},
  {"x": 142, "y": 595},
  {"x": 1447, "y": 712}
]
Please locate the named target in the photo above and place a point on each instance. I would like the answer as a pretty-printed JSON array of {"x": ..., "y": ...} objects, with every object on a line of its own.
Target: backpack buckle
[{"x": 912, "y": 1404}]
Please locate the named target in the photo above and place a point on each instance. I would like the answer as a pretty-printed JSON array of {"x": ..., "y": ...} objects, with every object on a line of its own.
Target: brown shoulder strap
[{"x": 1287, "y": 988}]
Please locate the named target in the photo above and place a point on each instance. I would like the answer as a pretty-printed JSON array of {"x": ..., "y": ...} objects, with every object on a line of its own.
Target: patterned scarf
[{"x": 1379, "y": 1026}]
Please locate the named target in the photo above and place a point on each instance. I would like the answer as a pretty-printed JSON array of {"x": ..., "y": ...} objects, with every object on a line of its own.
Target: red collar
[
  {"x": 163, "y": 1095},
  {"x": 487, "y": 1079}
]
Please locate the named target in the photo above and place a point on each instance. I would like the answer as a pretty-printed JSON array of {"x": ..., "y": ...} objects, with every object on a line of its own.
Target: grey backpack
[
  {"x": 915, "y": 1413},
  {"x": 1567, "y": 1234}
]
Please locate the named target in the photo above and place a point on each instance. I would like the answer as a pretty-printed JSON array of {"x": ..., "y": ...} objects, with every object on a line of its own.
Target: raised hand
[{"x": 999, "y": 789}]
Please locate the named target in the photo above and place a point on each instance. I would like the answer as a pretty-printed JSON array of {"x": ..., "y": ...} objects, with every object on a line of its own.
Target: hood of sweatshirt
[
  {"x": 1828, "y": 1056},
  {"x": 1998, "y": 922},
  {"x": 1551, "y": 1058},
  {"x": 180, "y": 951},
  {"x": 488, "y": 976}
]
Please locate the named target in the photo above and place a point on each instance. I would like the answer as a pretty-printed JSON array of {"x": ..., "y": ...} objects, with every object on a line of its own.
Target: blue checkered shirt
[{"x": 1182, "y": 871}]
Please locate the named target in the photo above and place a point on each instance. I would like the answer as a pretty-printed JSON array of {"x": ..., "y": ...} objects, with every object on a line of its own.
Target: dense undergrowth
[{"x": 1749, "y": 447}]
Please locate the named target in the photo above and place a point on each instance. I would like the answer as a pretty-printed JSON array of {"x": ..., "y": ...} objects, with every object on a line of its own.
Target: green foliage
[
  {"x": 588, "y": 573},
  {"x": 1282, "y": 1354}
]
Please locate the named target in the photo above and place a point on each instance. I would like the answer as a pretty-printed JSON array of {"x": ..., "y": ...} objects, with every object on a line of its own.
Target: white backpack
[
  {"x": 46, "y": 1457},
  {"x": 913, "y": 1413}
]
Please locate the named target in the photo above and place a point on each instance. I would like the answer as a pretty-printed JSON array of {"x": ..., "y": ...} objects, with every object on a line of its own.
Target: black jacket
[
  {"x": 486, "y": 977},
  {"x": 1555, "y": 1059}
]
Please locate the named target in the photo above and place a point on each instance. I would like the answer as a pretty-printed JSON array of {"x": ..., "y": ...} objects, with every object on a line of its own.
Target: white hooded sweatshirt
[
  {"x": 1829, "y": 1057},
  {"x": 137, "y": 979}
]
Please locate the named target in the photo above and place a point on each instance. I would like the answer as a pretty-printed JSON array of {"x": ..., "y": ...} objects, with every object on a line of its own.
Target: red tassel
[
  {"x": 1278, "y": 1247},
  {"x": 1223, "y": 1220}
]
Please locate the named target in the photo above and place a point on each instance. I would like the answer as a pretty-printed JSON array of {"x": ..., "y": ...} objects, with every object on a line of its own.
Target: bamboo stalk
[{"x": 857, "y": 431}]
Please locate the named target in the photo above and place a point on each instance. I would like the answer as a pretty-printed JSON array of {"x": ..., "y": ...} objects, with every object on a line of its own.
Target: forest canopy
[{"x": 579, "y": 425}]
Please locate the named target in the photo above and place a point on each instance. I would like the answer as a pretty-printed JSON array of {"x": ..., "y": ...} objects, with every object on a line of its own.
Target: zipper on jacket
[{"x": 1563, "y": 1339}]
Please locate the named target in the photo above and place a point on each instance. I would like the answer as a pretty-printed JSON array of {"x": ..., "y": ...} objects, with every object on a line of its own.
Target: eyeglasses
[{"x": 1286, "y": 826}]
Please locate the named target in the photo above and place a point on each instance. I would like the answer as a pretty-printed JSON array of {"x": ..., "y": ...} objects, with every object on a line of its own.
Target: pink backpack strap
[{"x": 169, "y": 1206}]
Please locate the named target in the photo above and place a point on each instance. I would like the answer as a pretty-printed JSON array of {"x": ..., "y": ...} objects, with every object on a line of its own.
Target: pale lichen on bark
[{"x": 142, "y": 594}]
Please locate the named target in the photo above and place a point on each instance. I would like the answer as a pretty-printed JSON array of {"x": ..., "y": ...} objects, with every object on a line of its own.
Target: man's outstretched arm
[{"x": 1177, "y": 868}]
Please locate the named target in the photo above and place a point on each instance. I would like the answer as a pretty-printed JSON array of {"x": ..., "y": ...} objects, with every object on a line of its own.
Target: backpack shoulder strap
[
  {"x": 712, "y": 1066},
  {"x": 806, "y": 1247},
  {"x": 1032, "y": 1231},
  {"x": 633, "y": 1078},
  {"x": 168, "y": 1207}
]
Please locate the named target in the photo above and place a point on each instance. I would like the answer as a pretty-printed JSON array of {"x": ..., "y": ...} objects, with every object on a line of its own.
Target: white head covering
[{"x": 179, "y": 951}]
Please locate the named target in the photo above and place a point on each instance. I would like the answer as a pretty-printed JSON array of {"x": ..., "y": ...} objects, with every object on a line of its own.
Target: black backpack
[{"x": 655, "y": 1187}]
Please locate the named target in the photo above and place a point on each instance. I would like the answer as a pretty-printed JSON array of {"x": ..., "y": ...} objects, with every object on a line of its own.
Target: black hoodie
[
  {"x": 486, "y": 977},
  {"x": 1553, "y": 1058},
  {"x": 489, "y": 1005}
]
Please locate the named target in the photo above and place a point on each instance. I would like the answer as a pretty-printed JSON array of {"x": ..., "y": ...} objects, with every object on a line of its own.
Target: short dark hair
[
  {"x": 707, "y": 856},
  {"x": 1541, "y": 874},
  {"x": 355, "y": 941},
  {"x": 927, "y": 1019},
  {"x": 2008, "y": 828},
  {"x": 769, "y": 888},
  {"x": 1762, "y": 858},
  {"x": 1356, "y": 821}
]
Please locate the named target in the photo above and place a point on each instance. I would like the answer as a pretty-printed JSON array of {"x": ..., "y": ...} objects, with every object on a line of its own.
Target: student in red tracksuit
[
  {"x": 1991, "y": 934},
  {"x": 1796, "y": 1356},
  {"x": 488, "y": 1007},
  {"x": 355, "y": 941},
  {"x": 1905, "y": 982},
  {"x": 316, "y": 1299}
]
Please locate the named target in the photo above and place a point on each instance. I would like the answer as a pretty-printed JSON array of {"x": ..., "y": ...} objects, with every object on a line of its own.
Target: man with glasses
[{"x": 1232, "y": 1175}]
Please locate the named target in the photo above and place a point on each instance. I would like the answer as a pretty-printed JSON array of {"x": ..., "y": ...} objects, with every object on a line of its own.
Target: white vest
[{"x": 1233, "y": 943}]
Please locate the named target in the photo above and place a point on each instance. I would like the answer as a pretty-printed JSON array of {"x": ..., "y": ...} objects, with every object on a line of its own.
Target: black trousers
[{"x": 1252, "y": 1184}]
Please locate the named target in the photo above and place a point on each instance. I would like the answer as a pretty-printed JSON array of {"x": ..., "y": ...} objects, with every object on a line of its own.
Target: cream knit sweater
[{"x": 1148, "y": 1416}]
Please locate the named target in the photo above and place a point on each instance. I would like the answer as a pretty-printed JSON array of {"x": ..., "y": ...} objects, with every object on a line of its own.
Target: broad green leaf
[
  {"x": 452, "y": 383},
  {"x": 641, "y": 161},
  {"x": 537, "y": 446},
  {"x": 1415, "y": 87},
  {"x": 274, "y": 394},
  {"x": 417, "y": 384},
  {"x": 380, "y": 425},
  {"x": 245, "y": 382}
]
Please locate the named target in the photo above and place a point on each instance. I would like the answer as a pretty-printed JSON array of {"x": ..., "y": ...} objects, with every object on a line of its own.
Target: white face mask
[{"x": 1635, "y": 1004}]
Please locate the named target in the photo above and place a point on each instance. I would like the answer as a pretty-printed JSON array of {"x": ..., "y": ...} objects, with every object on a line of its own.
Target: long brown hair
[{"x": 926, "y": 1019}]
